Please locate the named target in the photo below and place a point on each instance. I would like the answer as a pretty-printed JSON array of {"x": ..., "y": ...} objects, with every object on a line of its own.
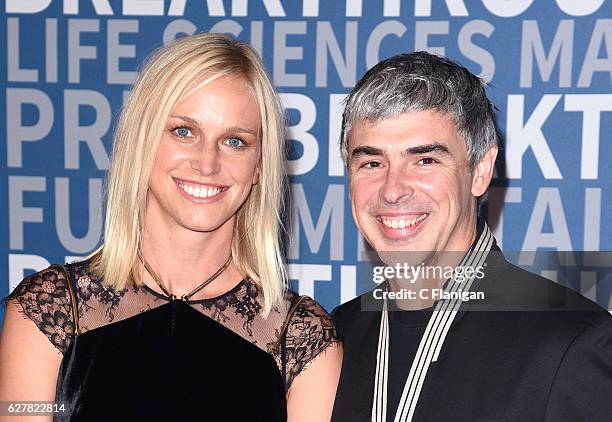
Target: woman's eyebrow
[
  {"x": 242, "y": 130},
  {"x": 229, "y": 129},
  {"x": 185, "y": 118}
]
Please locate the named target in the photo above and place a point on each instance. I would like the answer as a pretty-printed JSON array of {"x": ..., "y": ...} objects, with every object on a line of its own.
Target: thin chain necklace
[{"x": 199, "y": 287}]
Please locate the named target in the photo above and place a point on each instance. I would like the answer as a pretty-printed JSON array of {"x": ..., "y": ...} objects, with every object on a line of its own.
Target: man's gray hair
[{"x": 421, "y": 81}]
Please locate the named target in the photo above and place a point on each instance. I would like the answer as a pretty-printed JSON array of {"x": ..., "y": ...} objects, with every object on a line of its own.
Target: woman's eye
[
  {"x": 182, "y": 131},
  {"x": 234, "y": 142}
]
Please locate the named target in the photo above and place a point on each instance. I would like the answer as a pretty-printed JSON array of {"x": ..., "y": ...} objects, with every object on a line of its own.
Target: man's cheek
[
  {"x": 431, "y": 181},
  {"x": 358, "y": 195}
]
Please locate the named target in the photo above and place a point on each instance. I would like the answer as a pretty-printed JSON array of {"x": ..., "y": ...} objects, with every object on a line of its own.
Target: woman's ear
[{"x": 256, "y": 175}]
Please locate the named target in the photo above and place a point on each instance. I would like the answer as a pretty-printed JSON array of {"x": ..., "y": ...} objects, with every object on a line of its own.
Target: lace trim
[
  {"x": 243, "y": 301},
  {"x": 88, "y": 287},
  {"x": 45, "y": 299},
  {"x": 310, "y": 332}
]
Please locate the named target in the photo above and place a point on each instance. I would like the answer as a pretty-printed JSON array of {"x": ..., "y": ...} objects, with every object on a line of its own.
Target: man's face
[{"x": 411, "y": 187}]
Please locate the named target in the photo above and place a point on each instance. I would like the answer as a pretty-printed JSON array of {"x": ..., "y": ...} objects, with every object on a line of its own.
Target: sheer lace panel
[
  {"x": 45, "y": 298},
  {"x": 310, "y": 332}
]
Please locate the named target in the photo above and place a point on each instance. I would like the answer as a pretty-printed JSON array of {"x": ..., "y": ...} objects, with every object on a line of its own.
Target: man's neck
[{"x": 426, "y": 280}]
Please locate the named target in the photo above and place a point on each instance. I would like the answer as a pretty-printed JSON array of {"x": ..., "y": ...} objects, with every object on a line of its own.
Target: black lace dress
[{"x": 137, "y": 355}]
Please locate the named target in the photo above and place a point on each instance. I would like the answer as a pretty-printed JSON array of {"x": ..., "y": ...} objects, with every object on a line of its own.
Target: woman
[{"x": 182, "y": 314}]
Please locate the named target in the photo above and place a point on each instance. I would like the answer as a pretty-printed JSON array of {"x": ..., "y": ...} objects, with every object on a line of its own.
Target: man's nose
[{"x": 398, "y": 185}]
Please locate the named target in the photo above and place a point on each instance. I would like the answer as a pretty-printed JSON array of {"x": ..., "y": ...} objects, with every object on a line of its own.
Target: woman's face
[{"x": 207, "y": 161}]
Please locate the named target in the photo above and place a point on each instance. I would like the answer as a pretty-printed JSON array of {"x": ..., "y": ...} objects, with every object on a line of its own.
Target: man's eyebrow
[
  {"x": 427, "y": 148},
  {"x": 365, "y": 150},
  {"x": 194, "y": 122}
]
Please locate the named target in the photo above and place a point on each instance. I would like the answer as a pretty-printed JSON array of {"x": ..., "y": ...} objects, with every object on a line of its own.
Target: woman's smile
[{"x": 200, "y": 191}]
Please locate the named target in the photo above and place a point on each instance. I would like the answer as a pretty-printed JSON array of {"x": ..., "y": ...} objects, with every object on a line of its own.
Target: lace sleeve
[
  {"x": 310, "y": 331},
  {"x": 45, "y": 299}
]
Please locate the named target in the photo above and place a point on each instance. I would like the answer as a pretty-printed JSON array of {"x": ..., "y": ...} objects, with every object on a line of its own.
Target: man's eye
[
  {"x": 234, "y": 142},
  {"x": 371, "y": 164},
  {"x": 182, "y": 131},
  {"x": 427, "y": 161}
]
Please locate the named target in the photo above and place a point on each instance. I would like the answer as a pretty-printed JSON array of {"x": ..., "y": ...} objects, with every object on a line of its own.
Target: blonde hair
[{"x": 165, "y": 78}]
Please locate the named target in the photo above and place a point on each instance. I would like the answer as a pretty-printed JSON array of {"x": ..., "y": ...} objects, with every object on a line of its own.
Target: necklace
[{"x": 199, "y": 287}]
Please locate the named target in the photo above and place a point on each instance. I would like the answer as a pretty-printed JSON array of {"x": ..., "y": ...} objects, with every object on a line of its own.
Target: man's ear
[{"x": 483, "y": 172}]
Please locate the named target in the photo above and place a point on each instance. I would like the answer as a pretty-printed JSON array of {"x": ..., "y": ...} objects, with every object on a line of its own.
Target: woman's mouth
[{"x": 196, "y": 190}]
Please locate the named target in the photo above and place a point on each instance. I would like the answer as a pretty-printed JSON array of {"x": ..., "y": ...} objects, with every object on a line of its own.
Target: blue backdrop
[{"x": 66, "y": 66}]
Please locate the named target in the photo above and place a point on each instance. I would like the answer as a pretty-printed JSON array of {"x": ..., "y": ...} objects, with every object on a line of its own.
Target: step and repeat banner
[{"x": 67, "y": 65}]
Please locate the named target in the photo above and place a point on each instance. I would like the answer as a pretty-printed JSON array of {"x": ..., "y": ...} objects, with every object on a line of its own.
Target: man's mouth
[
  {"x": 401, "y": 222},
  {"x": 196, "y": 190}
]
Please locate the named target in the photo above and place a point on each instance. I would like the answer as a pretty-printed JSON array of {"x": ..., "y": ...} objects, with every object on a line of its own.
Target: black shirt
[{"x": 406, "y": 328}]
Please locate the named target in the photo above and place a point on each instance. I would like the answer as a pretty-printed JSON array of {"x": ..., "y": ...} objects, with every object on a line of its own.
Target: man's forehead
[{"x": 405, "y": 130}]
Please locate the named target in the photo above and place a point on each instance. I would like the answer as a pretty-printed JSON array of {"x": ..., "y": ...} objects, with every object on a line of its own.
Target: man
[{"x": 420, "y": 144}]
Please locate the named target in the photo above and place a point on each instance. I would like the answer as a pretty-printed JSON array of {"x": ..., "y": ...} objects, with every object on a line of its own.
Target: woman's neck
[{"x": 183, "y": 258}]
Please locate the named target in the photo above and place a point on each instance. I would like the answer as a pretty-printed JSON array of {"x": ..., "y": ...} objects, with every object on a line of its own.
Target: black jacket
[{"x": 533, "y": 350}]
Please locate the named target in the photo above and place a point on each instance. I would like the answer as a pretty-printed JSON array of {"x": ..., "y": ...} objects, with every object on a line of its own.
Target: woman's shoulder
[
  {"x": 307, "y": 316},
  {"x": 309, "y": 332},
  {"x": 45, "y": 298},
  {"x": 53, "y": 296}
]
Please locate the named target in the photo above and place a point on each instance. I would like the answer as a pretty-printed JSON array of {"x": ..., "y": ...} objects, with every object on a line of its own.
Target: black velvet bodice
[{"x": 170, "y": 363}]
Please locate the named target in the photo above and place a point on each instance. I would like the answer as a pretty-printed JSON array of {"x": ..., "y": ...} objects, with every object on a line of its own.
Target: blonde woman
[{"x": 183, "y": 313}]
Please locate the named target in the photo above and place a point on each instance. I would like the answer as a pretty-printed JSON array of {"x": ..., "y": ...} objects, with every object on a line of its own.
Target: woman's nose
[{"x": 206, "y": 161}]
